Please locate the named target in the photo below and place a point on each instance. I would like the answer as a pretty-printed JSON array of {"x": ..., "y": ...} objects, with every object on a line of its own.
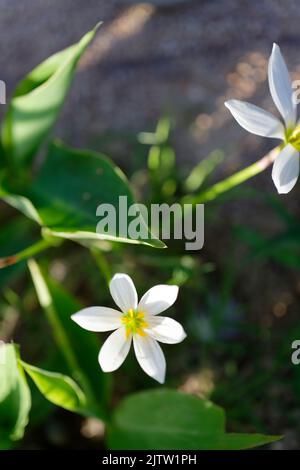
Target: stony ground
[
  {"x": 178, "y": 56},
  {"x": 181, "y": 57}
]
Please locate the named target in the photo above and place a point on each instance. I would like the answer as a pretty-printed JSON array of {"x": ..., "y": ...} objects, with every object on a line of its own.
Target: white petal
[
  {"x": 150, "y": 357},
  {"x": 157, "y": 299},
  {"x": 281, "y": 86},
  {"x": 255, "y": 120},
  {"x": 165, "y": 330},
  {"x": 286, "y": 169},
  {"x": 98, "y": 318},
  {"x": 114, "y": 351},
  {"x": 123, "y": 292}
]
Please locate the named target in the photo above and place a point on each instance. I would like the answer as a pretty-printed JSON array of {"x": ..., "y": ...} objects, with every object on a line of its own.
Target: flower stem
[
  {"x": 61, "y": 337},
  {"x": 234, "y": 180},
  {"x": 28, "y": 252},
  {"x": 102, "y": 264},
  {"x": 46, "y": 303}
]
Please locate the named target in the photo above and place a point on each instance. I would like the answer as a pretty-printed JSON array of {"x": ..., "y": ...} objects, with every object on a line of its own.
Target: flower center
[
  {"x": 293, "y": 137},
  {"x": 134, "y": 322}
]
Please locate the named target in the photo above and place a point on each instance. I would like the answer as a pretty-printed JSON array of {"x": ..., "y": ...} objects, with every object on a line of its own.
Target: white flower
[
  {"x": 254, "y": 119},
  {"x": 137, "y": 322}
]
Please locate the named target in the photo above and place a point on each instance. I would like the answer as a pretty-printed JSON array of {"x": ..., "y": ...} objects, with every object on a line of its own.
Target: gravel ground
[{"x": 183, "y": 57}]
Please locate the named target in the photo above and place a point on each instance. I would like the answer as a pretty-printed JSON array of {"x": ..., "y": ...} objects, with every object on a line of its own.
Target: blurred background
[{"x": 172, "y": 64}]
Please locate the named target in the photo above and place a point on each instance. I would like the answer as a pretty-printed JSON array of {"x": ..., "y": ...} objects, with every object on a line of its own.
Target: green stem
[
  {"x": 59, "y": 333},
  {"x": 102, "y": 264},
  {"x": 28, "y": 252},
  {"x": 234, "y": 180},
  {"x": 46, "y": 302}
]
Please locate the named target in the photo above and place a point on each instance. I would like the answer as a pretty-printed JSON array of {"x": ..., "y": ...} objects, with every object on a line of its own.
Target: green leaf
[
  {"x": 82, "y": 361},
  {"x": 66, "y": 193},
  {"x": 57, "y": 388},
  {"x": 283, "y": 248},
  {"x": 166, "y": 419},
  {"x": 37, "y": 101},
  {"x": 234, "y": 441},
  {"x": 20, "y": 203},
  {"x": 15, "y": 399},
  {"x": 159, "y": 136}
]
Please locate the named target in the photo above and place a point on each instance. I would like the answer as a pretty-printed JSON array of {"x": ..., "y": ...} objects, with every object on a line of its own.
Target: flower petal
[
  {"x": 98, "y": 318},
  {"x": 123, "y": 292},
  {"x": 286, "y": 169},
  {"x": 157, "y": 299},
  {"x": 150, "y": 357},
  {"x": 255, "y": 119},
  {"x": 114, "y": 351},
  {"x": 165, "y": 330},
  {"x": 281, "y": 86}
]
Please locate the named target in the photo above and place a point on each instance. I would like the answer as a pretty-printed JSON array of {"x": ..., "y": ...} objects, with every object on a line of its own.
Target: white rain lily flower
[
  {"x": 258, "y": 121},
  {"x": 137, "y": 322}
]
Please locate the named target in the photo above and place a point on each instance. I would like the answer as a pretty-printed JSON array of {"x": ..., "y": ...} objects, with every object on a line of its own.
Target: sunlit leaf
[
  {"x": 57, "y": 388},
  {"x": 15, "y": 399},
  {"x": 37, "y": 101}
]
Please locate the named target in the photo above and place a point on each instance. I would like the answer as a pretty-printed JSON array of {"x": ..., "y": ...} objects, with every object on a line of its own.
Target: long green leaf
[{"x": 37, "y": 101}]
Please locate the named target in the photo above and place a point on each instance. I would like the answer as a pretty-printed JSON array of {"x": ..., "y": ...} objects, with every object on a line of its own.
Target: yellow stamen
[
  {"x": 134, "y": 322},
  {"x": 293, "y": 137}
]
